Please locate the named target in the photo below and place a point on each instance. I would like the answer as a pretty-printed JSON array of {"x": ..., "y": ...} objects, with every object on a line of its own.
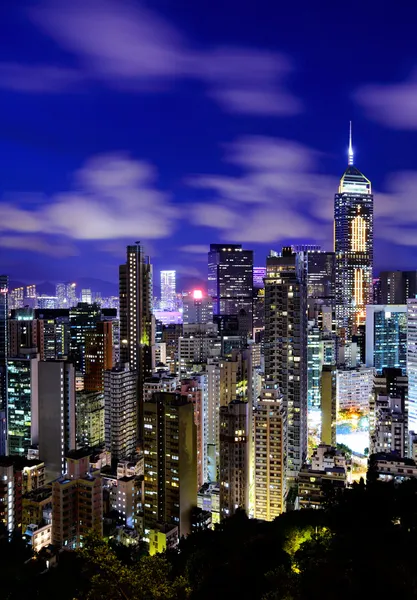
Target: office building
[
  {"x": 56, "y": 433},
  {"x": 22, "y": 403},
  {"x": 386, "y": 337},
  {"x": 412, "y": 363},
  {"x": 397, "y": 286},
  {"x": 77, "y": 502},
  {"x": 120, "y": 407},
  {"x": 285, "y": 346},
  {"x": 197, "y": 308},
  {"x": 230, "y": 279},
  {"x": 168, "y": 290},
  {"x": 136, "y": 325},
  {"x": 90, "y": 416},
  {"x": 234, "y": 457},
  {"x": 270, "y": 454},
  {"x": 170, "y": 449},
  {"x": 353, "y": 221}
]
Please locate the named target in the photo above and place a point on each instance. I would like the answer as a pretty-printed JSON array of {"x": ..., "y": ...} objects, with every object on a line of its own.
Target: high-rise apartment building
[
  {"x": 285, "y": 345},
  {"x": 170, "y": 449},
  {"x": 353, "y": 221},
  {"x": 18, "y": 476},
  {"x": 270, "y": 454},
  {"x": 83, "y": 320},
  {"x": 412, "y": 363},
  {"x": 386, "y": 337},
  {"x": 234, "y": 457},
  {"x": 55, "y": 430},
  {"x": 390, "y": 426},
  {"x": 354, "y": 388},
  {"x": 98, "y": 355},
  {"x": 4, "y": 313},
  {"x": 230, "y": 279},
  {"x": 168, "y": 290},
  {"x": 120, "y": 409},
  {"x": 77, "y": 502},
  {"x": 396, "y": 287},
  {"x": 136, "y": 325}
]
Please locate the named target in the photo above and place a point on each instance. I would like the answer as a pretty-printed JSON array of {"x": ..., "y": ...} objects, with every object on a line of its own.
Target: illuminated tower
[
  {"x": 168, "y": 290},
  {"x": 354, "y": 247}
]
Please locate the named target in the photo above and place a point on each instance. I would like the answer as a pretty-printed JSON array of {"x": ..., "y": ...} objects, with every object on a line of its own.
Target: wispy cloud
[
  {"x": 393, "y": 105},
  {"x": 38, "y": 244},
  {"x": 114, "y": 197},
  {"x": 132, "y": 48},
  {"x": 279, "y": 195}
]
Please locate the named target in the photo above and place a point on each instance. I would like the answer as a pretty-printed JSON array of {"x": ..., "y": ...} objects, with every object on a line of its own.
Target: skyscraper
[
  {"x": 197, "y": 308},
  {"x": 353, "y": 240},
  {"x": 136, "y": 330},
  {"x": 286, "y": 345},
  {"x": 168, "y": 290},
  {"x": 230, "y": 279}
]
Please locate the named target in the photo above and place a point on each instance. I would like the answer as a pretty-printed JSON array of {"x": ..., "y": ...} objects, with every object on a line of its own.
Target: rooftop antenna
[{"x": 350, "y": 151}]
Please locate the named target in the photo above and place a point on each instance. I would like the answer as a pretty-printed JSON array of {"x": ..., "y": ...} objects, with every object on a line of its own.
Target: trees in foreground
[{"x": 362, "y": 545}]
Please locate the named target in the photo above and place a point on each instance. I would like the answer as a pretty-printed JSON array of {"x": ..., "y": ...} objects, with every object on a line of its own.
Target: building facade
[{"x": 120, "y": 411}]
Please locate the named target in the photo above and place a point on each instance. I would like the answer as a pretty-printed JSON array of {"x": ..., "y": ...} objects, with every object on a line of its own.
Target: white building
[{"x": 354, "y": 388}]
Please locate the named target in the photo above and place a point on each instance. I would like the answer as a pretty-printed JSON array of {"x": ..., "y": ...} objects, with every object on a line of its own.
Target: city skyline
[{"x": 107, "y": 146}]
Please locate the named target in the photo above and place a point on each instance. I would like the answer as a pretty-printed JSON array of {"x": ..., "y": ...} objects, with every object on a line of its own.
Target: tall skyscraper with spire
[{"x": 354, "y": 246}]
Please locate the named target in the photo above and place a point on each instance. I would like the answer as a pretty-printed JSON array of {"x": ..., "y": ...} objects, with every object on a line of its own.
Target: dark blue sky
[{"x": 182, "y": 123}]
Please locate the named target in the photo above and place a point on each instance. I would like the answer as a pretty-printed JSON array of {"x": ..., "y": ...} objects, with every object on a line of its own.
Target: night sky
[{"x": 185, "y": 122}]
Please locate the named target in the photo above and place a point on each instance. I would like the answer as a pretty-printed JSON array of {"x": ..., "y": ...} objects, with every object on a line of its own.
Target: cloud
[
  {"x": 114, "y": 198},
  {"x": 393, "y": 105},
  {"x": 195, "y": 249},
  {"x": 278, "y": 196},
  {"x": 38, "y": 244},
  {"x": 38, "y": 79},
  {"x": 129, "y": 47}
]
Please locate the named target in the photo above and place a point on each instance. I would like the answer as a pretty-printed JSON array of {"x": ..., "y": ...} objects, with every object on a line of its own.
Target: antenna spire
[{"x": 350, "y": 151}]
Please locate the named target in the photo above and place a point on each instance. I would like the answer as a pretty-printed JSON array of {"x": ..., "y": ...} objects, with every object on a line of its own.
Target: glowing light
[
  {"x": 197, "y": 294},
  {"x": 359, "y": 234}
]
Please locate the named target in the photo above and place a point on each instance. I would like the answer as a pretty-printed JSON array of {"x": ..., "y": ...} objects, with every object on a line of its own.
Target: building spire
[{"x": 350, "y": 151}]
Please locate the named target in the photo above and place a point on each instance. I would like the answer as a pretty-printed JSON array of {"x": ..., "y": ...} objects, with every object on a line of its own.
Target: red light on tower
[{"x": 197, "y": 295}]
